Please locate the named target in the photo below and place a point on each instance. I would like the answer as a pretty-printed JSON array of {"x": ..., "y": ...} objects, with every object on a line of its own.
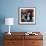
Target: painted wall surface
[{"x": 9, "y": 8}]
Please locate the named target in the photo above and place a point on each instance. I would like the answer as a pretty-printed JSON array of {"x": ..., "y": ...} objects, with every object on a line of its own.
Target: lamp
[{"x": 9, "y": 21}]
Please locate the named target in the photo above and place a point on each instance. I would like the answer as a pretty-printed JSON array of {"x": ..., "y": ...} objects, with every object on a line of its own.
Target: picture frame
[{"x": 27, "y": 15}]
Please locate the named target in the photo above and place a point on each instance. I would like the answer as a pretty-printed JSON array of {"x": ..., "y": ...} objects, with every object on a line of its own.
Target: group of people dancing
[{"x": 27, "y": 16}]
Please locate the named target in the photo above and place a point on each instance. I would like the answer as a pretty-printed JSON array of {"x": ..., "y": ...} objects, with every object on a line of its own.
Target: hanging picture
[{"x": 27, "y": 15}]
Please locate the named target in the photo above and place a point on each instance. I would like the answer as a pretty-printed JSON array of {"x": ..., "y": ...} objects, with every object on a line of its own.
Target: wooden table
[{"x": 20, "y": 39}]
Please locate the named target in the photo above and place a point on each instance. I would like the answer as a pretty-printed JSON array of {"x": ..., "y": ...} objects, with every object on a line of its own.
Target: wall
[{"x": 9, "y": 8}]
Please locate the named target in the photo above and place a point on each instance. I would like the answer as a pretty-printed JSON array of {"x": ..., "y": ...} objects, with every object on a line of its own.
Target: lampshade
[{"x": 9, "y": 21}]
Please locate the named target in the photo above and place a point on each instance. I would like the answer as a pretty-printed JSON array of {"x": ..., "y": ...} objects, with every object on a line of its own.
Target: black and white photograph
[{"x": 27, "y": 16}]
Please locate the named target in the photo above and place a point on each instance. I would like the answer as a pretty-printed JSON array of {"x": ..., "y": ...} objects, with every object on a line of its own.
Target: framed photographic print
[{"x": 27, "y": 15}]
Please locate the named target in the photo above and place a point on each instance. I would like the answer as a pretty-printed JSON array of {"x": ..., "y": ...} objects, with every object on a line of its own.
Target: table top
[{"x": 22, "y": 35}]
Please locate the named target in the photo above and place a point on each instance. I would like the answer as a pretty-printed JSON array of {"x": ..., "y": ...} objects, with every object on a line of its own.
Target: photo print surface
[{"x": 27, "y": 16}]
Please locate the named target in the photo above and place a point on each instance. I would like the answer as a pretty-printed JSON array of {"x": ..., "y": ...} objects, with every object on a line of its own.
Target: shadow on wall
[{"x": 2, "y": 21}]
